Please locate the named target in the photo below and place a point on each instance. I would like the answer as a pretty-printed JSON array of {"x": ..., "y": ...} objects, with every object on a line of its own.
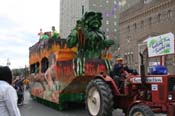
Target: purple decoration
[{"x": 111, "y": 12}]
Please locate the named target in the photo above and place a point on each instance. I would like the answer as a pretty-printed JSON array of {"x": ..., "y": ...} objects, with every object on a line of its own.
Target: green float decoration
[
  {"x": 88, "y": 36},
  {"x": 89, "y": 39}
]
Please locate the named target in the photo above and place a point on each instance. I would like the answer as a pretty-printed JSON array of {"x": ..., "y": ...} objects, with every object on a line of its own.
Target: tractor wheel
[
  {"x": 141, "y": 110},
  {"x": 99, "y": 98}
]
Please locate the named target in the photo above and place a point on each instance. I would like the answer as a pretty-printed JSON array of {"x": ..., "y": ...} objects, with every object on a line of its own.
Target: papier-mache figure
[{"x": 54, "y": 34}]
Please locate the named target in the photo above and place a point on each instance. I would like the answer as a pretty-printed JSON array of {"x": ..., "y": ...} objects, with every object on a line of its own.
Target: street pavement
[{"x": 32, "y": 108}]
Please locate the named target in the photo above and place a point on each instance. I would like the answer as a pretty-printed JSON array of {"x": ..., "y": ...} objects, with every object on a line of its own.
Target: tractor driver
[{"x": 119, "y": 72}]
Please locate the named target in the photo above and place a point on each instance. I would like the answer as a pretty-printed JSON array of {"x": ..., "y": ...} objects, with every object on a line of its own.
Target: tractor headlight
[{"x": 170, "y": 97}]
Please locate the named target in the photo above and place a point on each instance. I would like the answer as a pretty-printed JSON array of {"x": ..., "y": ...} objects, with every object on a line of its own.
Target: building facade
[
  {"x": 146, "y": 19},
  {"x": 72, "y": 10},
  {"x": 126, "y": 4},
  {"x": 110, "y": 23}
]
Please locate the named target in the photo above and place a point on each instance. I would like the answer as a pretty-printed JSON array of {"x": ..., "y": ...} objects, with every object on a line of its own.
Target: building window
[
  {"x": 107, "y": 29},
  {"x": 107, "y": 22},
  {"x": 115, "y": 23},
  {"x": 93, "y": 4},
  {"x": 82, "y": 9},
  {"x": 107, "y": 1},
  {"x": 135, "y": 26},
  {"x": 150, "y": 20},
  {"x": 132, "y": 58},
  {"x": 170, "y": 14},
  {"x": 115, "y": 2},
  {"x": 159, "y": 17},
  {"x": 115, "y": 30},
  {"x": 129, "y": 29},
  {"x": 125, "y": 56},
  {"x": 142, "y": 24},
  {"x": 107, "y": 36},
  {"x": 129, "y": 39},
  {"x": 115, "y": 16}
]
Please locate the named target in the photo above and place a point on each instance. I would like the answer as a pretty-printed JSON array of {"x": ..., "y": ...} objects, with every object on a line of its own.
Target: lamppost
[
  {"x": 128, "y": 50},
  {"x": 25, "y": 72},
  {"x": 119, "y": 50},
  {"x": 8, "y": 62}
]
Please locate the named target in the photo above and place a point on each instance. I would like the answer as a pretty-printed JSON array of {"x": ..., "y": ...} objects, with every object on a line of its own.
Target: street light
[
  {"x": 25, "y": 72},
  {"x": 8, "y": 62},
  {"x": 119, "y": 50}
]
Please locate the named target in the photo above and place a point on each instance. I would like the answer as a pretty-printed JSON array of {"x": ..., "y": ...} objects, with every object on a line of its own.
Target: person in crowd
[
  {"x": 26, "y": 83},
  {"x": 19, "y": 86},
  {"x": 54, "y": 34},
  {"x": 8, "y": 95}
]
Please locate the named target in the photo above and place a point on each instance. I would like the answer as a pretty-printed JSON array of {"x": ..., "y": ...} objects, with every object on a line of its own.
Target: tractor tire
[
  {"x": 141, "y": 110},
  {"x": 99, "y": 98}
]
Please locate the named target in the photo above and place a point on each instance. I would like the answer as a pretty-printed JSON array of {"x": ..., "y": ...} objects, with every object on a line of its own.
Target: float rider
[{"x": 54, "y": 33}]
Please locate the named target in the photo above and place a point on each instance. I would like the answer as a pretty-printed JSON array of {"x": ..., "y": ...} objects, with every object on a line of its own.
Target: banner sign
[
  {"x": 148, "y": 80},
  {"x": 161, "y": 45}
]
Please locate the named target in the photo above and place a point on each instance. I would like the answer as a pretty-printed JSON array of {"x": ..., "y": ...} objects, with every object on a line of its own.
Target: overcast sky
[{"x": 20, "y": 21}]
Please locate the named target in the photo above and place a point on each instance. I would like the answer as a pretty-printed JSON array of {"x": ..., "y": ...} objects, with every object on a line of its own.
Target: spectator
[
  {"x": 54, "y": 34},
  {"x": 26, "y": 83},
  {"x": 8, "y": 96},
  {"x": 19, "y": 86}
]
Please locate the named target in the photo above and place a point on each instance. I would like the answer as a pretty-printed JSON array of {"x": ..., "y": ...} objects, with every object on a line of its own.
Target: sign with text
[
  {"x": 148, "y": 80},
  {"x": 161, "y": 45}
]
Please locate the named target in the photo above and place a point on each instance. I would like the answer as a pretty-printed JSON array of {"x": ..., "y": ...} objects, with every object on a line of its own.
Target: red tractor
[{"x": 141, "y": 95}]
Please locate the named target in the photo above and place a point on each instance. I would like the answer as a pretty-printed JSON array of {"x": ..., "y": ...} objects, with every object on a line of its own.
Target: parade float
[
  {"x": 60, "y": 69},
  {"x": 76, "y": 69}
]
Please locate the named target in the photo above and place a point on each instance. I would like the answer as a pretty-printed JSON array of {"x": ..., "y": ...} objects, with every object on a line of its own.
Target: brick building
[{"x": 142, "y": 21}]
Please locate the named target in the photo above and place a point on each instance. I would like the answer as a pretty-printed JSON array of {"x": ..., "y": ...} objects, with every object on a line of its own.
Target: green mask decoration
[{"x": 87, "y": 35}]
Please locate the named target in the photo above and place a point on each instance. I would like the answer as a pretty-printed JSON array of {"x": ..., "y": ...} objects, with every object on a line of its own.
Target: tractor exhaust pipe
[{"x": 142, "y": 70}]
